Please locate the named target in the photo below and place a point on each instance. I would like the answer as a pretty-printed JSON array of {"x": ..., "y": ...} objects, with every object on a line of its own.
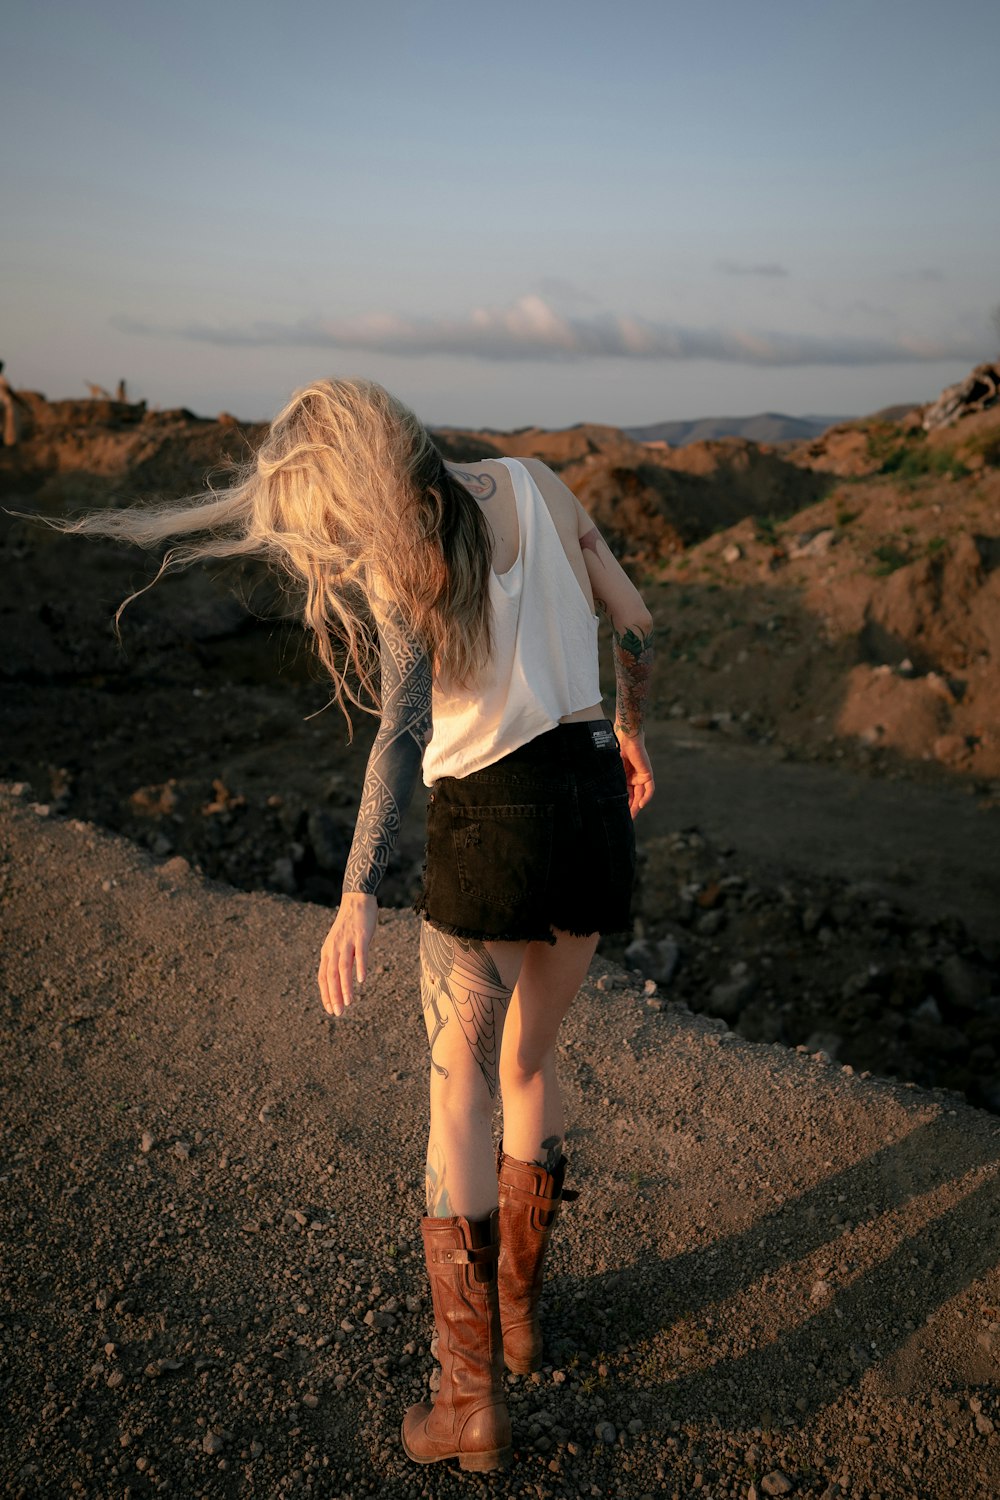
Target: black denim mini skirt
[{"x": 540, "y": 840}]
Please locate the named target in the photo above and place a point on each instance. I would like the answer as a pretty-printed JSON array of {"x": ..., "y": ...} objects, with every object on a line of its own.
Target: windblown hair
[{"x": 349, "y": 498}]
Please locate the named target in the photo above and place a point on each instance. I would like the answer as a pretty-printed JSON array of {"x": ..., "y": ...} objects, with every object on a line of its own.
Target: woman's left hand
[{"x": 345, "y": 950}]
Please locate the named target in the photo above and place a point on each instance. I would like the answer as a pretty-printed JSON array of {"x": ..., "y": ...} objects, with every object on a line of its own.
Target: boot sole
[{"x": 476, "y": 1463}]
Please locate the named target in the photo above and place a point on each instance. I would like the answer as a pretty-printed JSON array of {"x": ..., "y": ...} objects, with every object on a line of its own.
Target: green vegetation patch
[
  {"x": 882, "y": 440},
  {"x": 765, "y": 529},
  {"x": 988, "y": 445},
  {"x": 912, "y": 461},
  {"x": 888, "y": 557}
]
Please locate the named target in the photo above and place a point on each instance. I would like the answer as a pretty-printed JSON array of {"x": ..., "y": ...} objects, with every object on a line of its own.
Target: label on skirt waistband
[{"x": 602, "y": 734}]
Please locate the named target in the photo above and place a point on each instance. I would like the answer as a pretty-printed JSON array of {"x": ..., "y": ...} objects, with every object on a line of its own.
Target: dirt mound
[
  {"x": 106, "y": 452},
  {"x": 843, "y": 450},
  {"x": 868, "y": 621},
  {"x": 649, "y": 498}
]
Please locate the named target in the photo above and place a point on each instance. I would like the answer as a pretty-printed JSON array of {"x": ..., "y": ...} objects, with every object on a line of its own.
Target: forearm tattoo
[
  {"x": 633, "y": 656},
  {"x": 461, "y": 971},
  {"x": 394, "y": 762}
]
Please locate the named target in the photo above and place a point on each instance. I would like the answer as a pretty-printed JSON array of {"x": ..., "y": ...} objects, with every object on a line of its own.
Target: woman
[{"x": 480, "y": 582}]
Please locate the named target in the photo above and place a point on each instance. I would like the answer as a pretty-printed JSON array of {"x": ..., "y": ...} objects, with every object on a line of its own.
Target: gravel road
[{"x": 780, "y": 1277}]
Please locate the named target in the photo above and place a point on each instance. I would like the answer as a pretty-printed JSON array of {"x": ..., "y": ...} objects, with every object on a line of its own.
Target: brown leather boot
[
  {"x": 529, "y": 1204},
  {"x": 468, "y": 1418}
]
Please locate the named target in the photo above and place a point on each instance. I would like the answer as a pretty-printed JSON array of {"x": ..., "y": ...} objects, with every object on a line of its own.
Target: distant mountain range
[{"x": 765, "y": 427}]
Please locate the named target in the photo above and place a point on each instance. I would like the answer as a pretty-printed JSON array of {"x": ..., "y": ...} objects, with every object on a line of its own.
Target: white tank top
[{"x": 544, "y": 663}]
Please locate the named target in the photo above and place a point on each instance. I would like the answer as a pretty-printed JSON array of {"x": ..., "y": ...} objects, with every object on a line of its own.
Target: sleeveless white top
[{"x": 544, "y": 663}]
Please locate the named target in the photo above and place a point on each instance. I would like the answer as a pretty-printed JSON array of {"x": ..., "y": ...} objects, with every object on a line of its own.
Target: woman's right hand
[
  {"x": 638, "y": 771},
  {"x": 345, "y": 951}
]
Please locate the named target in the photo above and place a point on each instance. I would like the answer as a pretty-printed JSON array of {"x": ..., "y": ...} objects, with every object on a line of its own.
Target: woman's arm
[
  {"x": 394, "y": 762},
  {"x": 632, "y": 649},
  {"x": 392, "y": 773},
  {"x": 631, "y": 623}
]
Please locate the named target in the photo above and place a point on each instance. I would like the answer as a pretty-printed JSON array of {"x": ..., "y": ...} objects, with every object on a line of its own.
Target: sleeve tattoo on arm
[
  {"x": 394, "y": 762},
  {"x": 633, "y": 656}
]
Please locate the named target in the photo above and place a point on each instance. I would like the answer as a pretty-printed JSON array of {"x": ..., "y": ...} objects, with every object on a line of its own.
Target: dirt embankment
[{"x": 780, "y": 1277}]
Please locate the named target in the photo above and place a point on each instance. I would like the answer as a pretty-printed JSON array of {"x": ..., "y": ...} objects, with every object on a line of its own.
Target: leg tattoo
[
  {"x": 461, "y": 970},
  {"x": 435, "y": 1187},
  {"x": 429, "y": 995},
  {"x": 553, "y": 1148}
]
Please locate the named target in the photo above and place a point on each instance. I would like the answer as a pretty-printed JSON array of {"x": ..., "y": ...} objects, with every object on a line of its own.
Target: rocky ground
[
  {"x": 780, "y": 1277},
  {"x": 787, "y": 1050}
]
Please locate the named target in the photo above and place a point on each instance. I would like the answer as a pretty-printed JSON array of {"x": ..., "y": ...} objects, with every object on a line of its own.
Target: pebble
[
  {"x": 605, "y": 1432},
  {"x": 711, "y": 922},
  {"x": 379, "y": 1320},
  {"x": 776, "y": 1483},
  {"x": 657, "y": 961},
  {"x": 728, "y": 998},
  {"x": 212, "y": 1442},
  {"x": 147, "y": 1141}
]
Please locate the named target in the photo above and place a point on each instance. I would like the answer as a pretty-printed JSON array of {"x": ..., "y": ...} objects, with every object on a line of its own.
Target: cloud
[
  {"x": 922, "y": 273},
  {"x": 564, "y": 292},
  {"x": 529, "y": 329},
  {"x": 741, "y": 268}
]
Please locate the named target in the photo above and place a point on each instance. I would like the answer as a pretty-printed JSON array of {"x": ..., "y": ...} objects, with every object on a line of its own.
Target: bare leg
[
  {"x": 533, "y": 1124},
  {"x": 465, "y": 989}
]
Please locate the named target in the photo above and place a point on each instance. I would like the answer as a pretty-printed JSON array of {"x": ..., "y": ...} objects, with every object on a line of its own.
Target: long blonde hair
[{"x": 349, "y": 496}]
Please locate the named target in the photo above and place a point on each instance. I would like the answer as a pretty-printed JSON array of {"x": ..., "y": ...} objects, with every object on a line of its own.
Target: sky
[{"x": 523, "y": 213}]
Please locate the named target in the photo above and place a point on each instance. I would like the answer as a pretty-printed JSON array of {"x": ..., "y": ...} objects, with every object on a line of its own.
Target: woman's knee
[
  {"x": 461, "y": 1092},
  {"x": 521, "y": 1067}
]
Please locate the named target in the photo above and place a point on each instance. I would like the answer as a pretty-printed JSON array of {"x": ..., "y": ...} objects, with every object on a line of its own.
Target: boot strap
[
  {"x": 569, "y": 1195},
  {"x": 550, "y": 1204},
  {"x": 479, "y": 1255}
]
